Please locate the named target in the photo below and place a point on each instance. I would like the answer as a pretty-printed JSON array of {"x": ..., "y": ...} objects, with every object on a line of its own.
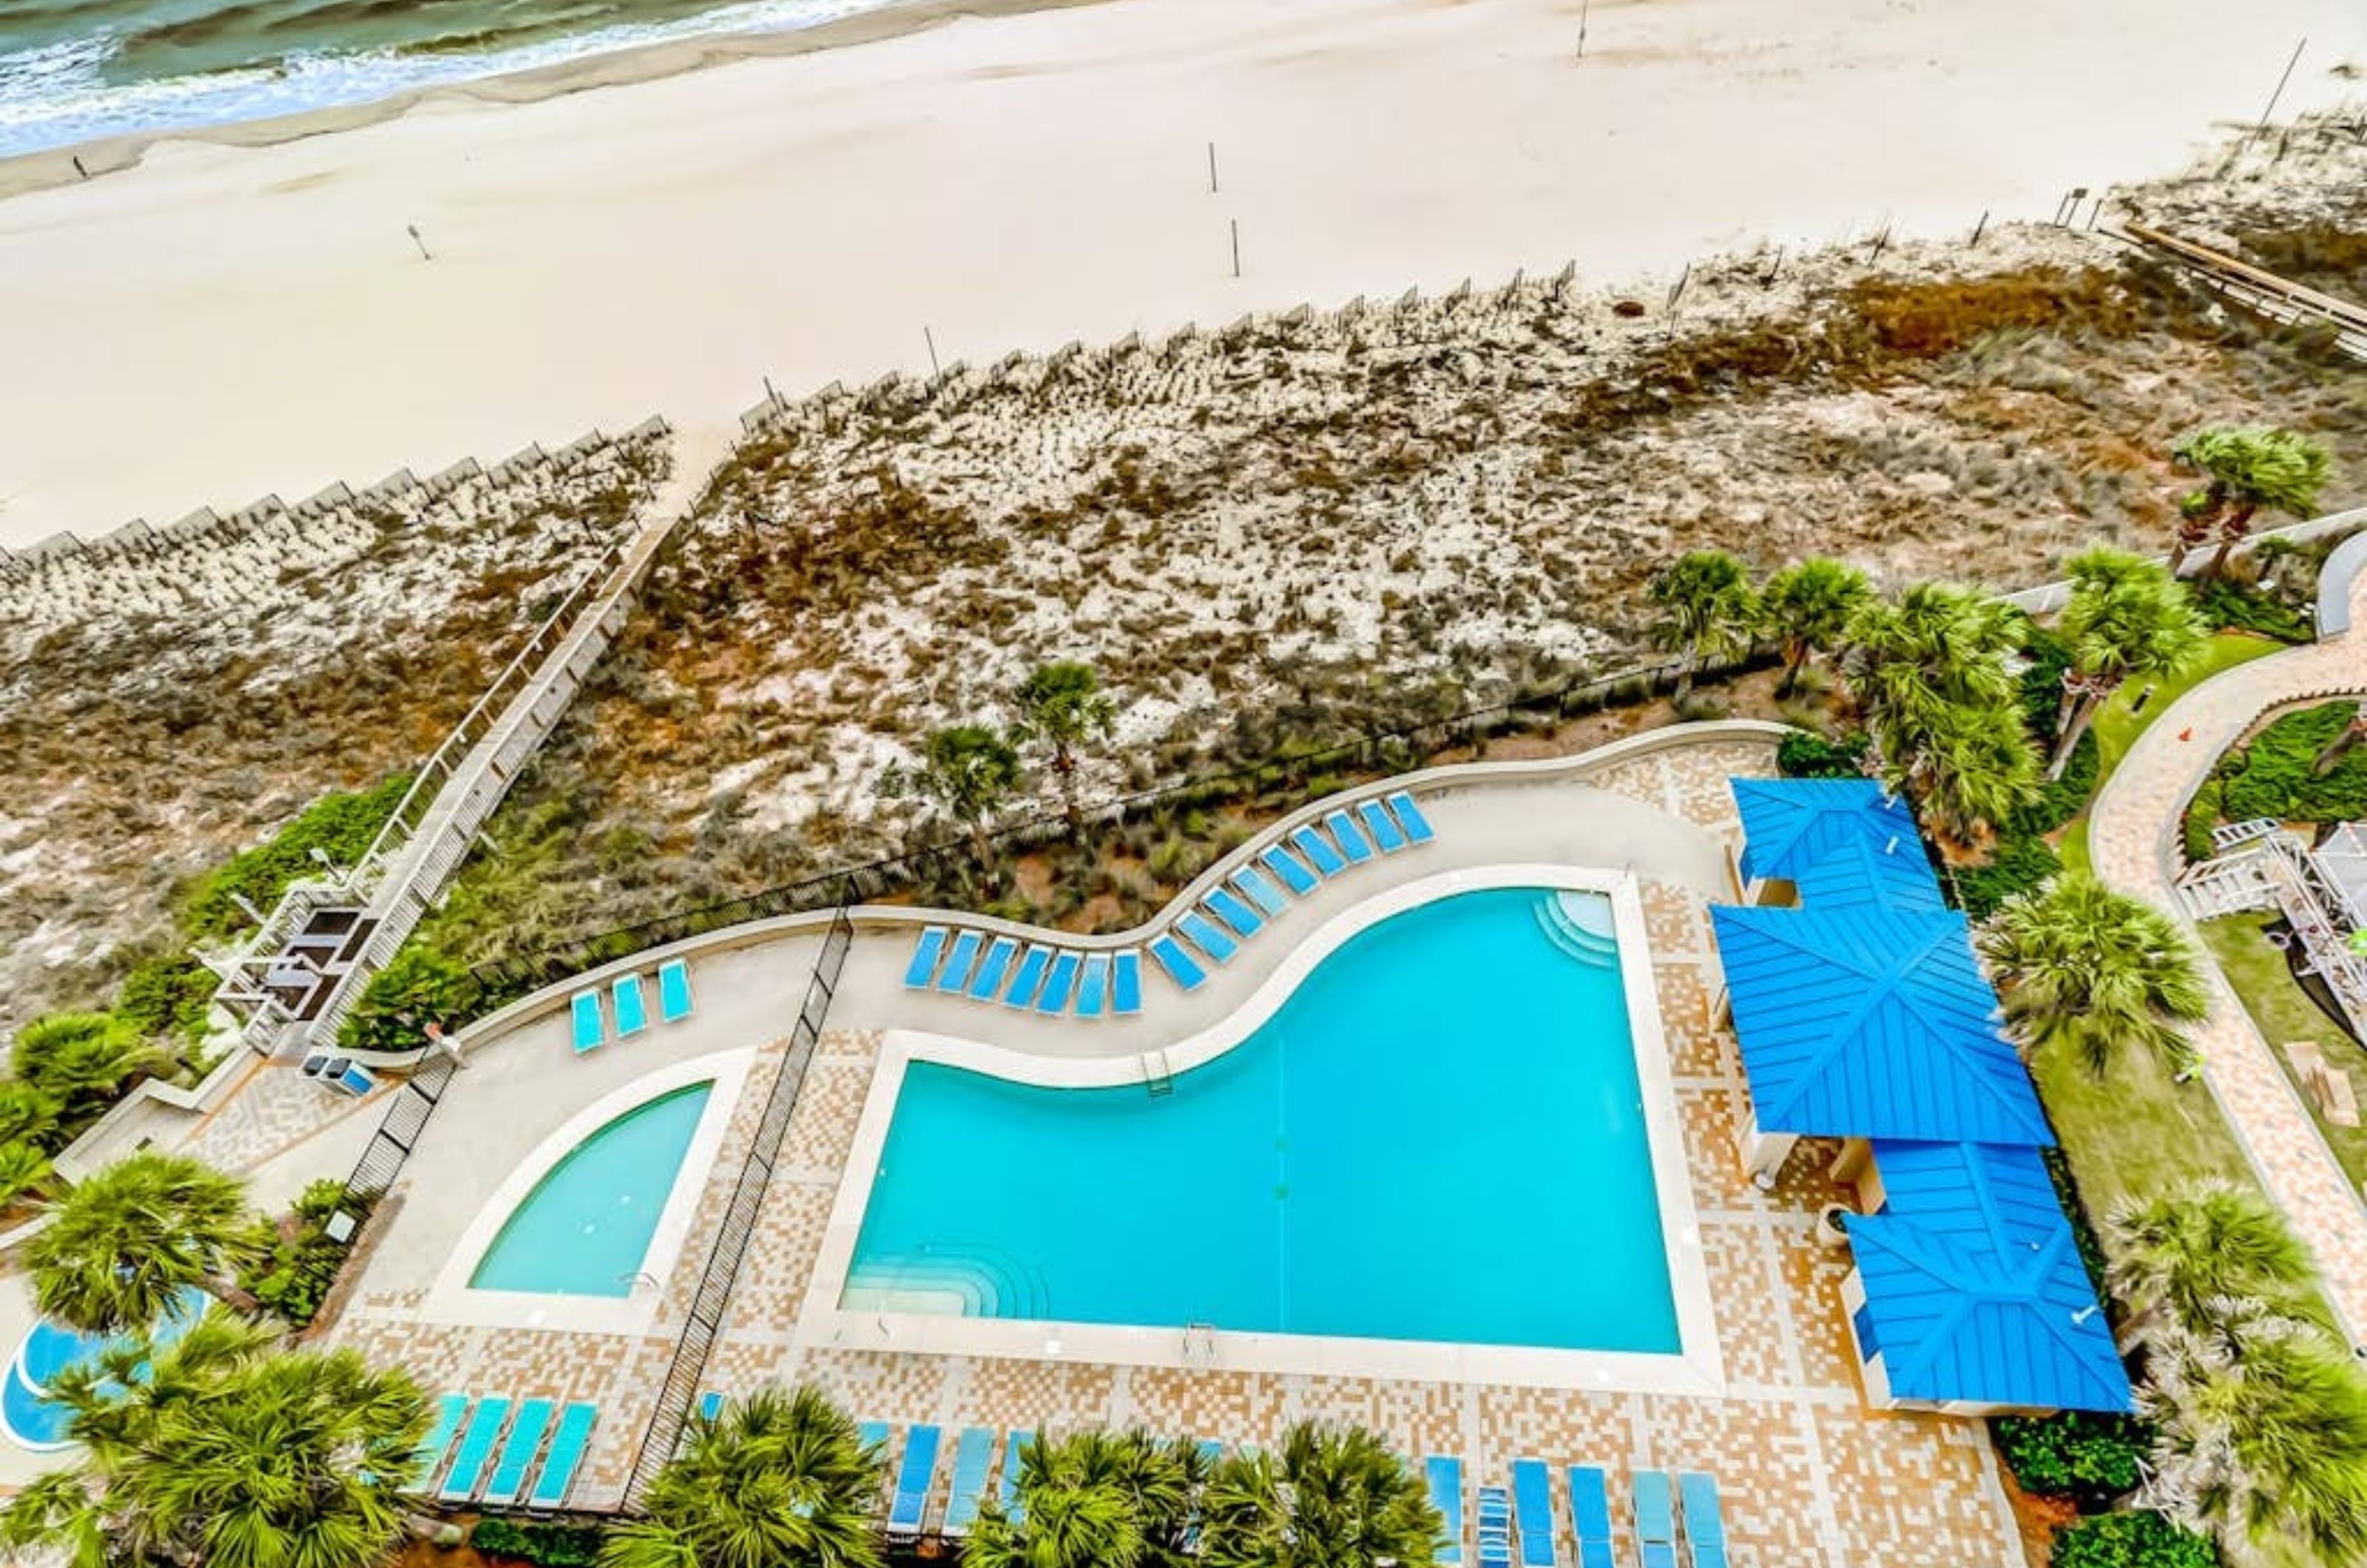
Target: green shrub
[
  {"x": 166, "y": 996},
  {"x": 339, "y": 825},
  {"x": 2089, "y": 1458},
  {"x": 299, "y": 1263},
  {"x": 2020, "y": 862},
  {"x": 2234, "y": 606},
  {"x": 2202, "y": 814},
  {"x": 2141, "y": 1539},
  {"x": 421, "y": 985},
  {"x": 552, "y": 1546},
  {"x": 2064, "y": 798},
  {"x": 1802, "y": 755},
  {"x": 2272, "y": 776}
]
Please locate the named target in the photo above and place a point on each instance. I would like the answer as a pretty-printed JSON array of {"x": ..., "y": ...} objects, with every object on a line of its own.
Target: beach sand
[{"x": 221, "y": 322}]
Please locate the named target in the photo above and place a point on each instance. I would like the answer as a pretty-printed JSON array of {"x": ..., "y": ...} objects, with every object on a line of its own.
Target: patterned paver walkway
[{"x": 2130, "y": 835}]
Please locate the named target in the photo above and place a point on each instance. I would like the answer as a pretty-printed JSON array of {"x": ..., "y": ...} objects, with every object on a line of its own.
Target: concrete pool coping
[
  {"x": 1697, "y": 1369},
  {"x": 451, "y": 1299}
]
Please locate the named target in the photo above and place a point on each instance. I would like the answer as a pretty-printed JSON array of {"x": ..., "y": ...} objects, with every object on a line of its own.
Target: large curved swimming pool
[
  {"x": 1439, "y": 1137},
  {"x": 585, "y": 1228}
]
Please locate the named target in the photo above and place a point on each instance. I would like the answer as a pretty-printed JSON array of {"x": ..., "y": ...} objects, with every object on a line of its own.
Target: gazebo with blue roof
[
  {"x": 1840, "y": 844},
  {"x": 1868, "y": 1023},
  {"x": 1968, "y": 1295}
]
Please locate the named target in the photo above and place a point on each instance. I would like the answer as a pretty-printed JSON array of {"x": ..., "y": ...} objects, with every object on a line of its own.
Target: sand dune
[{"x": 223, "y": 322}]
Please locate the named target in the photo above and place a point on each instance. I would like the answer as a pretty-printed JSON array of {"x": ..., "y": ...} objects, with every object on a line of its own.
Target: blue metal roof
[
  {"x": 1973, "y": 1287},
  {"x": 1841, "y": 842},
  {"x": 1871, "y": 1022}
]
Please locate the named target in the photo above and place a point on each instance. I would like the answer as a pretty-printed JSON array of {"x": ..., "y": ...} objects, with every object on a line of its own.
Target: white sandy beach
[{"x": 225, "y": 322}]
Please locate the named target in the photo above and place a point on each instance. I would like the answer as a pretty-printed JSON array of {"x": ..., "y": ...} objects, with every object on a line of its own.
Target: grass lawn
[
  {"x": 2133, "y": 1130},
  {"x": 2117, "y": 728},
  {"x": 2285, "y": 1013}
]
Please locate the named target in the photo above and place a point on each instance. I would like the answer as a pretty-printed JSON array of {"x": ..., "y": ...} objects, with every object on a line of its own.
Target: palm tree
[
  {"x": 2127, "y": 618},
  {"x": 968, "y": 772},
  {"x": 1708, "y": 610},
  {"x": 2093, "y": 969},
  {"x": 1809, "y": 604},
  {"x": 121, "y": 1245},
  {"x": 81, "y": 1058},
  {"x": 1337, "y": 1498},
  {"x": 224, "y": 1452},
  {"x": 2340, "y": 746},
  {"x": 1095, "y": 1499},
  {"x": 1062, "y": 706},
  {"x": 2245, "y": 469},
  {"x": 2179, "y": 1259},
  {"x": 2264, "y": 1443},
  {"x": 24, "y": 1170},
  {"x": 780, "y": 1481}
]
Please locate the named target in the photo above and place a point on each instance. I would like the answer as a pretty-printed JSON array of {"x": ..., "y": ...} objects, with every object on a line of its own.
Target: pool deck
[{"x": 1811, "y": 1478}]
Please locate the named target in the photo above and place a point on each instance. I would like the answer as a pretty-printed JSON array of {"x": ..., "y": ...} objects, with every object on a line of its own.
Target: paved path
[{"x": 2132, "y": 833}]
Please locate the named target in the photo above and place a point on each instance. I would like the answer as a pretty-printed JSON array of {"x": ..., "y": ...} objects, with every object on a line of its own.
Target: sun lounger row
[
  {"x": 912, "y": 1505},
  {"x": 495, "y": 1457},
  {"x": 1521, "y": 1519},
  {"x": 1306, "y": 857},
  {"x": 589, "y": 1021},
  {"x": 1032, "y": 978}
]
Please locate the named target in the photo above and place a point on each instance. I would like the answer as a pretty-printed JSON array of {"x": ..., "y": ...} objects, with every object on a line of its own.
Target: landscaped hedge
[
  {"x": 2234, "y": 606},
  {"x": 2272, "y": 776},
  {"x": 1800, "y": 755},
  {"x": 2140, "y": 1538},
  {"x": 341, "y": 825},
  {"x": 552, "y": 1546},
  {"x": 2090, "y": 1458},
  {"x": 2202, "y": 814}
]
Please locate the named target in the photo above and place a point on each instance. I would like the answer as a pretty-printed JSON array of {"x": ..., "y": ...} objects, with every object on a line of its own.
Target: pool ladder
[{"x": 1156, "y": 1078}]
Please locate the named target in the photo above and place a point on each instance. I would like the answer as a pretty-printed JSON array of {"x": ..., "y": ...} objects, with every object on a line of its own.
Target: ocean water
[
  {"x": 1440, "y": 1137},
  {"x": 73, "y": 70}
]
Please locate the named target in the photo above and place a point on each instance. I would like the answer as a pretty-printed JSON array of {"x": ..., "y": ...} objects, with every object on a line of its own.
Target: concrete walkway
[{"x": 2132, "y": 834}]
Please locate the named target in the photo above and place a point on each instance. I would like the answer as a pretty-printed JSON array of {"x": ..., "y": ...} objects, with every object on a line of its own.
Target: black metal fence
[
  {"x": 678, "y": 1393},
  {"x": 1280, "y": 779},
  {"x": 414, "y": 1101}
]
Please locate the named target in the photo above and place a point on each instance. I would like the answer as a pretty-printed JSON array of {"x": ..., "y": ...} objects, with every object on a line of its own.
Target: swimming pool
[
  {"x": 28, "y": 1417},
  {"x": 1439, "y": 1137},
  {"x": 584, "y": 1229}
]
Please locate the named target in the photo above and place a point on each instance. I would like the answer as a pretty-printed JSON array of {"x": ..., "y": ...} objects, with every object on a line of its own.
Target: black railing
[
  {"x": 677, "y": 1395},
  {"x": 497, "y": 982},
  {"x": 398, "y": 1134}
]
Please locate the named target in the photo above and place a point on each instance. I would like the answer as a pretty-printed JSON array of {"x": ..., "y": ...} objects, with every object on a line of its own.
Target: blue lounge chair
[
  {"x": 1093, "y": 989},
  {"x": 906, "y": 1513},
  {"x": 873, "y": 1436},
  {"x": 958, "y": 958},
  {"x": 632, "y": 1011},
  {"x": 476, "y": 1450},
  {"x": 1495, "y": 1528},
  {"x": 1590, "y": 1510},
  {"x": 710, "y": 1405},
  {"x": 972, "y": 1454},
  {"x": 1533, "y": 1502},
  {"x": 673, "y": 991},
  {"x": 1206, "y": 936},
  {"x": 1260, "y": 890},
  {"x": 1446, "y": 1496},
  {"x": 1352, "y": 843},
  {"x": 1178, "y": 965},
  {"x": 448, "y": 1413},
  {"x": 1655, "y": 1521},
  {"x": 1704, "y": 1522},
  {"x": 1381, "y": 826},
  {"x": 1325, "y": 859},
  {"x": 993, "y": 970},
  {"x": 1126, "y": 983},
  {"x": 1409, "y": 818},
  {"x": 1231, "y": 909},
  {"x": 1059, "y": 981},
  {"x": 1008, "y": 1492},
  {"x": 925, "y": 954},
  {"x": 1290, "y": 868},
  {"x": 1028, "y": 978},
  {"x": 565, "y": 1458},
  {"x": 588, "y": 1030},
  {"x": 1211, "y": 1450},
  {"x": 508, "y": 1481}
]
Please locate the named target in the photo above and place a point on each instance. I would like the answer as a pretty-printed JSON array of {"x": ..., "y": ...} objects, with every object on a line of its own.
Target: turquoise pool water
[
  {"x": 586, "y": 1226},
  {"x": 1439, "y": 1137}
]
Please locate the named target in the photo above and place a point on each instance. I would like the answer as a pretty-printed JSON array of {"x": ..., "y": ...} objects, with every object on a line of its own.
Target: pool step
[
  {"x": 985, "y": 1282},
  {"x": 1580, "y": 924}
]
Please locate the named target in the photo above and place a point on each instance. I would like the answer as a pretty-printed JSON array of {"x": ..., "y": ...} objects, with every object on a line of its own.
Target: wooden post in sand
[
  {"x": 1212, "y": 168},
  {"x": 1979, "y": 227},
  {"x": 931, "y": 339},
  {"x": 413, "y": 229},
  {"x": 1237, "y": 247},
  {"x": 1581, "y": 28},
  {"x": 2280, "y": 93}
]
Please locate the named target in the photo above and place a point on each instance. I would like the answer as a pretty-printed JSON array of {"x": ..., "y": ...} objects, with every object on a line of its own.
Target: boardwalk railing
[
  {"x": 398, "y": 1134},
  {"x": 679, "y": 1392}
]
